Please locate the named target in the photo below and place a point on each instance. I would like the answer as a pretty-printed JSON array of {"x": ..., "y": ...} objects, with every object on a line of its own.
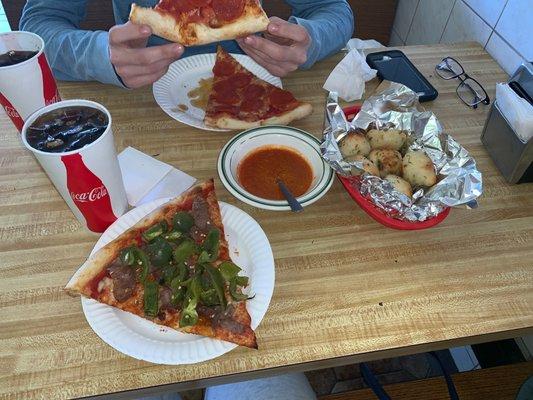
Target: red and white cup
[
  {"x": 88, "y": 179},
  {"x": 29, "y": 85}
]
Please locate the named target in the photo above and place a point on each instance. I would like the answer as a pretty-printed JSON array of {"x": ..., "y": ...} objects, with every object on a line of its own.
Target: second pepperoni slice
[{"x": 228, "y": 10}]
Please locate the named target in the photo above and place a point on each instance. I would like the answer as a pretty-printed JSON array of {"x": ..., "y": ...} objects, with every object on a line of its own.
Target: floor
[
  {"x": 4, "y": 26},
  {"x": 387, "y": 371}
]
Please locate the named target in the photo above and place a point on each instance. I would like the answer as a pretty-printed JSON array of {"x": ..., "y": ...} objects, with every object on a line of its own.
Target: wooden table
[{"x": 347, "y": 289}]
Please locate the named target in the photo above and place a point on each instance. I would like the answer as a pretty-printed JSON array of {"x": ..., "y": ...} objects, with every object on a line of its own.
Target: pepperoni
[
  {"x": 227, "y": 98},
  {"x": 281, "y": 100},
  {"x": 224, "y": 92},
  {"x": 228, "y": 10},
  {"x": 253, "y": 104},
  {"x": 254, "y": 92},
  {"x": 241, "y": 80},
  {"x": 188, "y": 11},
  {"x": 175, "y": 8},
  {"x": 223, "y": 86},
  {"x": 223, "y": 68}
]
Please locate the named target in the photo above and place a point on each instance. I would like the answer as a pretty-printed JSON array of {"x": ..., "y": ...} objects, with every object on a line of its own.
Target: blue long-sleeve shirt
[{"x": 76, "y": 54}]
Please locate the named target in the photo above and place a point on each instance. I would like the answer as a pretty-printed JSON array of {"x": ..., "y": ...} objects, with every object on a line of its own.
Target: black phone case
[{"x": 428, "y": 94}]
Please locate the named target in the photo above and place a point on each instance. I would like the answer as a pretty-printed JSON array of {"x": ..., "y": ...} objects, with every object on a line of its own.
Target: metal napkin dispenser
[{"x": 512, "y": 156}]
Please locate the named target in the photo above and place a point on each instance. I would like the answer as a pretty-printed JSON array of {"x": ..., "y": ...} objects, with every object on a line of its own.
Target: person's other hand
[
  {"x": 282, "y": 49},
  {"x": 136, "y": 64}
]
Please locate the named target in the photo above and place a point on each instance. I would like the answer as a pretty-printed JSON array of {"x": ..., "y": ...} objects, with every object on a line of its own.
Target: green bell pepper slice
[
  {"x": 127, "y": 255},
  {"x": 173, "y": 235},
  {"x": 151, "y": 299},
  {"x": 184, "y": 251},
  {"x": 229, "y": 270},
  {"x": 183, "y": 221},
  {"x": 212, "y": 244},
  {"x": 160, "y": 252},
  {"x": 218, "y": 283},
  {"x": 155, "y": 231},
  {"x": 189, "y": 316},
  {"x": 235, "y": 294},
  {"x": 210, "y": 298}
]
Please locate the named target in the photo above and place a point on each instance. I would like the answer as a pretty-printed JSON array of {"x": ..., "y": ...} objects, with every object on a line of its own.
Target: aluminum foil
[{"x": 459, "y": 180}]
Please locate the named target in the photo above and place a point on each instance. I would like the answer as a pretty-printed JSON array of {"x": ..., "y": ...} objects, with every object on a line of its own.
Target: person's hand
[
  {"x": 136, "y": 64},
  {"x": 282, "y": 49}
]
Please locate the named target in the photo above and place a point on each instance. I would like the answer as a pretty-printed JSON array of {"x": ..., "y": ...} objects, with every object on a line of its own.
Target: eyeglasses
[{"x": 469, "y": 90}]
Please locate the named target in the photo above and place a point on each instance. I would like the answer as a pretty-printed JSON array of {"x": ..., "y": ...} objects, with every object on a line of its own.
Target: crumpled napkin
[
  {"x": 348, "y": 78},
  {"x": 147, "y": 179}
]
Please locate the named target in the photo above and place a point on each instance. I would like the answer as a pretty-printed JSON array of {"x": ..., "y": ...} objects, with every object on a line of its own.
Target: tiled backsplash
[
  {"x": 503, "y": 27},
  {"x": 4, "y": 25}
]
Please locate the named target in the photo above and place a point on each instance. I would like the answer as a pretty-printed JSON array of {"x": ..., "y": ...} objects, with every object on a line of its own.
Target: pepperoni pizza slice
[
  {"x": 196, "y": 22},
  {"x": 240, "y": 100},
  {"x": 173, "y": 268}
]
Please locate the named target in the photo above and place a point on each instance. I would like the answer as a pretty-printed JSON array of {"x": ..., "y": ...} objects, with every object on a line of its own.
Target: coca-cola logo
[
  {"x": 53, "y": 100},
  {"x": 95, "y": 194},
  {"x": 11, "y": 112}
]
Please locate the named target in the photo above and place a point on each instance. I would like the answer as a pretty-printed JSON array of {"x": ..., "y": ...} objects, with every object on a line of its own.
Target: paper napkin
[
  {"x": 517, "y": 111},
  {"x": 349, "y": 77},
  {"x": 146, "y": 179}
]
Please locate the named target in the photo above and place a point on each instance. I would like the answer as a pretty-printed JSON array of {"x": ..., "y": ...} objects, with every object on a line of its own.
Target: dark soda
[
  {"x": 14, "y": 57},
  {"x": 66, "y": 129}
]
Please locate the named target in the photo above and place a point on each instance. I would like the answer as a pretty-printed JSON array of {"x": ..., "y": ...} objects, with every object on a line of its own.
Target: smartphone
[{"x": 393, "y": 65}]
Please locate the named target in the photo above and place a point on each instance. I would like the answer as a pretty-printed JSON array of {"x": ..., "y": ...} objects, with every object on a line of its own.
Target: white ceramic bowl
[{"x": 302, "y": 142}]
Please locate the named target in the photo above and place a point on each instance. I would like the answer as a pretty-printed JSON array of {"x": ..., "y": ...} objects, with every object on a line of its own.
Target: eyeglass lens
[
  {"x": 449, "y": 68},
  {"x": 471, "y": 92}
]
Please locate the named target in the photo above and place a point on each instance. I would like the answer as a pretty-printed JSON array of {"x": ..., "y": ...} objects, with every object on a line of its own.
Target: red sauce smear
[
  {"x": 93, "y": 285},
  {"x": 259, "y": 170}
]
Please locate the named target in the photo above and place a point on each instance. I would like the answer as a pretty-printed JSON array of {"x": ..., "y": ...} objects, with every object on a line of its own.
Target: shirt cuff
[
  {"x": 105, "y": 70},
  {"x": 313, "y": 51}
]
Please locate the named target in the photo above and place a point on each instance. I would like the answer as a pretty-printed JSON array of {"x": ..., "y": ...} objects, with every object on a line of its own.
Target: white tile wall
[
  {"x": 489, "y": 10},
  {"x": 404, "y": 17},
  {"x": 429, "y": 21},
  {"x": 508, "y": 59},
  {"x": 503, "y": 27},
  {"x": 516, "y": 26},
  {"x": 465, "y": 25},
  {"x": 4, "y": 25}
]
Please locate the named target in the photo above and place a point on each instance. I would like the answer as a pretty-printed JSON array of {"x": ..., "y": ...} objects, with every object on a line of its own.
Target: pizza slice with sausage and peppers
[
  {"x": 173, "y": 268},
  {"x": 240, "y": 100},
  {"x": 196, "y": 22}
]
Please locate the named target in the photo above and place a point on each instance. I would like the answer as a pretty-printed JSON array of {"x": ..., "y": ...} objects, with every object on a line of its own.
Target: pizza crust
[
  {"x": 226, "y": 122},
  {"x": 252, "y": 21},
  {"x": 162, "y": 25}
]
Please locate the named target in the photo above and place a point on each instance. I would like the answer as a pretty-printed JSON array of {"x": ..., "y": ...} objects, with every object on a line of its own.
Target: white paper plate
[
  {"x": 303, "y": 142},
  {"x": 184, "y": 75},
  {"x": 147, "y": 341}
]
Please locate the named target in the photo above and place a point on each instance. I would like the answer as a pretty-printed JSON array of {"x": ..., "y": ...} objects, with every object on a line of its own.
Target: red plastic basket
[{"x": 374, "y": 211}]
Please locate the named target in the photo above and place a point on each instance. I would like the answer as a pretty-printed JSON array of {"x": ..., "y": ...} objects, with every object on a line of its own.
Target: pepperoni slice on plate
[
  {"x": 224, "y": 92},
  {"x": 227, "y": 98},
  {"x": 254, "y": 91},
  {"x": 228, "y": 10},
  {"x": 223, "y": 68},
  {"x": 241, "y": 80},
  {"x": 281, "y": 99},
  {"x": 250, "y": 105}
]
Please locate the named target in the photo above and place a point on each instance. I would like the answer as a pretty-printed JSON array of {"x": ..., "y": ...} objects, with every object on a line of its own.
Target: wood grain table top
[{"x": 347, "y": 289}]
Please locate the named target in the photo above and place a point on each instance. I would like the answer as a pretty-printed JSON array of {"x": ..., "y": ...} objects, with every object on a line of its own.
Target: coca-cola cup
[
  {"x": 89, "y": 178},
  {"x": 27, "y": 83}
]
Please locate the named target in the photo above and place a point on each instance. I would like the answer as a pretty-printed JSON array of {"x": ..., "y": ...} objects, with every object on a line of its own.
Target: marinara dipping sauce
[{"x": 259, "y": 171}]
